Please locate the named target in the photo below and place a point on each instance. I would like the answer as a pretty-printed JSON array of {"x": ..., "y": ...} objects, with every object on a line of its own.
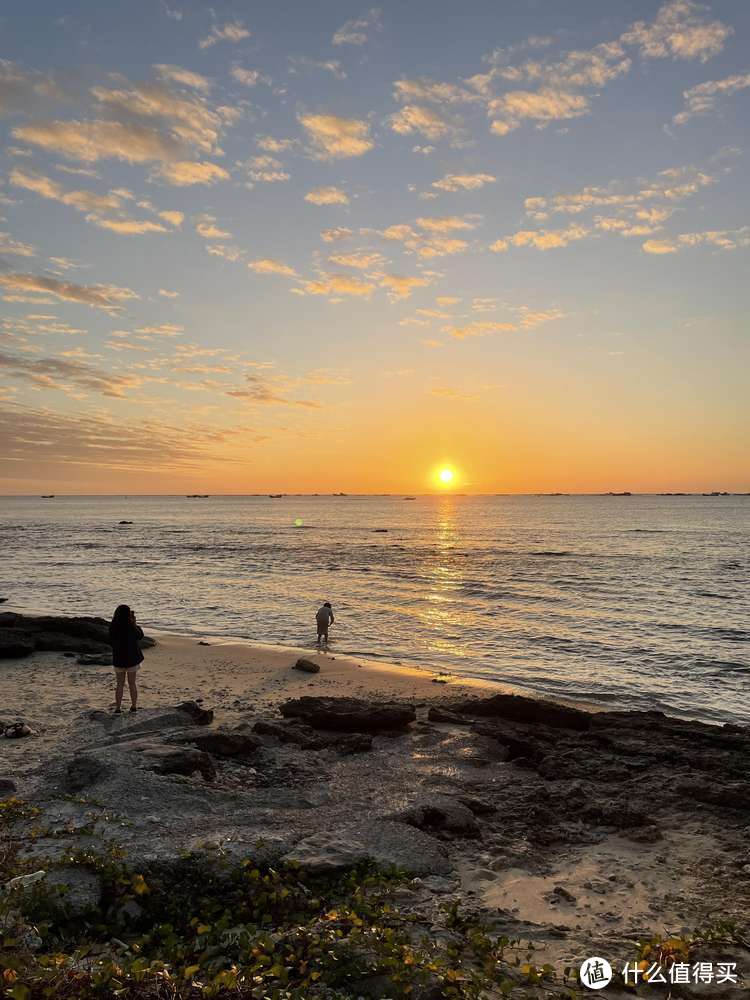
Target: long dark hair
[{"x": 120, "y": 619}]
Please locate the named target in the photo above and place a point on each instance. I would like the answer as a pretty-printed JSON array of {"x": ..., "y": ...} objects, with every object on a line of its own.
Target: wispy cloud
[
  {"x": 327, "y": 196},
  {"x": 266, "y": 265},
  {"x": 358, "y": 30},
  {"x": 704, "y": 97},
  {"x": 106, "y": 297},
  {"x": 232, "y": 31},
  {"x": 682, "y": 29}
]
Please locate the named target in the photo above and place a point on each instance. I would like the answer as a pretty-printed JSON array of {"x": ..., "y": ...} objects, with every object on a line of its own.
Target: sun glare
[{"x": 446, "y": 476}]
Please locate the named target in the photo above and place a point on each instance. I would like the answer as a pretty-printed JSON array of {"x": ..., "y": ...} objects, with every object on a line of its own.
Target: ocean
[{"x": 630, "y": 602}]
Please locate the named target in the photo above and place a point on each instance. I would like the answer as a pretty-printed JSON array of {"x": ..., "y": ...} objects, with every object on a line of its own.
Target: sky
[{"x": 310, "y": 247}]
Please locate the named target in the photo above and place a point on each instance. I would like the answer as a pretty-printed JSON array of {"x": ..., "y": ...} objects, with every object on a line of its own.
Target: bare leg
[
  {"x": 119, "y": 687},
  {"x": 133, "y": 688}
]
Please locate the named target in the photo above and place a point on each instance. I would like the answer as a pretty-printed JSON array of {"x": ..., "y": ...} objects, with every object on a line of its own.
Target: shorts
[{"x": 121, "y": 671}]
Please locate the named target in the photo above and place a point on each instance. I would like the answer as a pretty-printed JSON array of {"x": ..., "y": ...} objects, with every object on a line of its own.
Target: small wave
[
  {"x": 647, "y": 531},
  {"x": 710, "y": 593},
  {"x": 551, "y": 552}
]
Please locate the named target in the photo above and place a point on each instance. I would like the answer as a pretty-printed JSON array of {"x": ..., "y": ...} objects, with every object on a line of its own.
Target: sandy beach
[{"x": 584, "y": 856}]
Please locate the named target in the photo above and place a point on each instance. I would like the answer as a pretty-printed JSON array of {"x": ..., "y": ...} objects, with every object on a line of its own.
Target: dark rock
[
  {"x": 83, "y": 772},
  {"x": 308, "y": 666},
  {"x": 725, "y": 794},
  {"x": 17, "y": 730},
  {"x": 439, "y": 815},
  {"x": 478, "y": 806},
  {"x": 95, "y": 659},
  {"x": 562, "y": 893},
  {"x": 438, "y": 714},
  {"x": 383, "y": 842},
  {"x": 15, "y": 644},
  {"x": 310, "y": 739},
  {"x": 227, "y": 742},
  {"x": 528, "y": 710},
  {"x": 124, "y": 522},
  {"x": 7, "y": 786},
  {"x": 178, "y": 760},
  {"x": 349, "y": 715},
  {"x": 80, "y": 889},
  {"x": 3, "y": 600},
  {"x": 200, "y": 716},
  {"x": 58, "y": 633}
]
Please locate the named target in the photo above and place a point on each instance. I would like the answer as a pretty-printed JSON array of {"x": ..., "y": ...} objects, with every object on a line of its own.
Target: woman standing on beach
[{"x": 124, "y": 635}]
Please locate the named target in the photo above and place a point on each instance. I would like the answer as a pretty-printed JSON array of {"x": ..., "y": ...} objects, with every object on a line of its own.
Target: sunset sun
[{"x": 446, "y": 476}]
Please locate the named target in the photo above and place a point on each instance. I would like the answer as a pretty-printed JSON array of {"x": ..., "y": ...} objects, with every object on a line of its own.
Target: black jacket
[{"x": 126, "y": 652}]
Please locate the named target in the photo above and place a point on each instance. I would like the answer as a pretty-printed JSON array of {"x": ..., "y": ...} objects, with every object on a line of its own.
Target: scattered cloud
[
  {"x": 719, "y": 239},
  {"x": 166, "y": 294},
  {"x": 106, "y": 297},
  {"x": 265, "y": 170},
  {"x": 429, "y": 123},
  {"x": 463, "y": 182},
  {"x": 130, "y": 227},
  {"x": 91, "y": 141},
  {"x": 432, "y": 91},
  {"x": 542, "y": 239},
  {"x": 444, "y": 224},
  {"x": 272, "y": 145},
  {"x": 335, "y": 285},
  {"x": 185, "y": 173},
  {"x": 335, "y": 138},
  {"x": 447, "y": 392},
  {"x": 704, "y": 97},
  {"x": 362, "y": 260},
  {"x": 332, "y": 66},
  {"x": 327, "y": 196},
  {"x": 682, "y": 30},
  {"x": 232, "y": 31},
  {"x": 183, "y": 77},
  {"x": 249, "y": 77},
  {"x": 357, "y": 31},
  {"x": 64, "y": 374},
  {"x": 335, "y": 234},
  {"x": 267, "y": 265},
  {"x": 430, "y": 243},
  {"x": 14, "y": 247},
  {"x": 208, "y": 229},
  {"x": 542, "y": 106}
]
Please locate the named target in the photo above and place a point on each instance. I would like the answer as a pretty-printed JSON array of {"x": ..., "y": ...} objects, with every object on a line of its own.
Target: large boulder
[
  {"x": 383, "y": 842},
  {"x": 349, "y": 715},
  {"x": 439, "y": 815},
  {"x": 164, "y": 759},
  {"x": 82, "y": 772},
  {"x": 238, "y": 742},
  {"x": 55, "y": 633},
  {"x": 516, "y": 708},
  {"x": 309, "y": 739}
]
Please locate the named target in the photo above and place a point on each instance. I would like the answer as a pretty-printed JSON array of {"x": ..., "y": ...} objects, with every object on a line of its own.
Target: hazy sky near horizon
[{"x": 321, "y": 246}]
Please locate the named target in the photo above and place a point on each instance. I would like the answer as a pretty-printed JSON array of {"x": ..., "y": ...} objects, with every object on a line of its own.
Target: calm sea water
[{"x": 632, "y": 602}]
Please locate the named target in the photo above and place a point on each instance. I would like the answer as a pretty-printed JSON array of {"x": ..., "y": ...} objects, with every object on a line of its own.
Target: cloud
[
  {"x": 162, "y": 330},
  {"x": 22, "y": 90},
  {"x": 544, "y": 105},
  {"x": 327, "y": 196},
  {"x": 94, "y": 205},
  {"x": 184, "y": 173},
  {"x": 681, "y": 30},
  {"x": 413, "y": 118},
  {"x": 188, "y": 118},
  {"x": 14, "y": 248},
  {"x": 703, "y": 98},
  {"x": 447, "y": 300},
  {"x": 229, "y": 253},
  {"x": 106, "y": 297},
  {"x": 267, "y": 265},
  {"x": 362, "y": 260},
  {"x": 272, "y": 145},
  {"x": 479, "y": 328},
  {"x": 432, "y": 91},
  {"x": 401, "y": 287},
  {"x": 265, "y": 170},
  {"x": 542, "y": 239},
  {"x": 184, "y": 77},
  {"x": 64, "y": 374},
  {"x": 129, "y": 227},
  {"x": 335, "y": 234},
  {"x": 92, "y": 141},
  {"x": 426, "y": 246},
  {"x": 249, "y": 77},
  {"x": 356, "y": 32},
  {"x": 446, "y": 392},
  {"x": 332, "y": 66},
  {"x": 334, "y": 138},
  {"x": 209, "y": 231},
  {"x": 39, "y": 443},
  {"x": 334, "y": 285},
  {"x": 720, "y": 239},
  {"x": 445, "y": 224},
  {"x": 463, "y": 182},
  {"x": 233, "y": 31},
  {"x": 166, "y": 294}
]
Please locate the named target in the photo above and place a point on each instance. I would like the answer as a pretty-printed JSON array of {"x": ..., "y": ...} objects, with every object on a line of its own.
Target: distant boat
[
  {"x": 410, "y": 498},
  {"x": 48, "y": 496},
  {"x": 275, "y": 496},
  {"x": 626, "y": 494},
  {"x": 341, "y": 494},
  {"x": 196, "y": 496}
]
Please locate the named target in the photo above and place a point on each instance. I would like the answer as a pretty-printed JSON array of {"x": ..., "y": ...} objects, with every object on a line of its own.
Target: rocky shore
[{"x": 580, "y": 833}]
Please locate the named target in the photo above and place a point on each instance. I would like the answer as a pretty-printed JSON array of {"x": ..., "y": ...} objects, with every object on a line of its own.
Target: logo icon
[{"x": 596, "y": 973}]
